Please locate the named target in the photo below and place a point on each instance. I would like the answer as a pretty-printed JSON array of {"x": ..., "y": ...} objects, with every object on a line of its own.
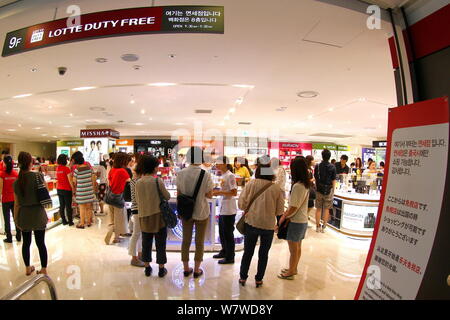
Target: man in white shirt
[
  {"x": 186, "y": 182},
  {"x": 228, "y": 210}
]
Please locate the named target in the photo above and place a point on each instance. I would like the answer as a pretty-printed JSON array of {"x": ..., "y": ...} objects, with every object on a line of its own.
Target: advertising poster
[
  {"x": 94, "y": 149},
  {"x": 408, "y": 257}
]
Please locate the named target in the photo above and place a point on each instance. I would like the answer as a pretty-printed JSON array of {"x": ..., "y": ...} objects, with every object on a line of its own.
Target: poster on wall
[
  {"x": 408, "y": 256},
  {"x": 359, "y": 218},
  {"x": 368, "y": 153}
]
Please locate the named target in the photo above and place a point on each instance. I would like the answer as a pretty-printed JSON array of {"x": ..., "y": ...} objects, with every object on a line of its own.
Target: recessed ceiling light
[
  {"x": 247, "y": 86},
  {"x": 132, "y": 101},
  {"x": 179, "y": 124},
  {"x": 49, "y": 122},
  {"x": 307, "y": 94},
  {"x": 310, "y": 116},
  {"x": 91, "y": 121},
  {"x": 362, "y": 99},
  {"x": 139, "y": 124},
  {"x": 130, "y": 57},
  {"x": 101, "y": 60},
  {"x": 7, "y": 112},
  {"x": 239, "y": 101},
  {"x": 83, "y": 88},
  {"x": 50, "y": 107},
  {"x": 11, "y": 130},
  {"x": 142, "y": 111},
  {"x": 97, "y": 109},
  {"x": 172, "y": 55},
  {"x": 233, "y": 110},
  {"x": 221, "y": 124},
  {"x": 67, "y": 126},
  {"x": 44, "y": 134},
  {"x": 55, "y": 136},
  {"x": 19, "y": 125},
  {"x": 71, "y": 114},
  {"x": 331, "y": 109},
  {"x": 37, "y": 128},
  {"x": 33, "y": 69},
  {"x": 162, "y": 84},
  {"x": 150, "y": 119},
  {"x": 227, "y": 117},
  {"x": 22, "y": 95}
]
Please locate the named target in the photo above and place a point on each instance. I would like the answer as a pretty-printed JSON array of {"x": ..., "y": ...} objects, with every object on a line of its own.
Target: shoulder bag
[
  {"x": 42, "y": 191},
  {"x": 282, "y": 229},
  {"x": 240, "y": 226},
  {"x": 168, "y": 215},
  {"x": 185, "y": 203}
]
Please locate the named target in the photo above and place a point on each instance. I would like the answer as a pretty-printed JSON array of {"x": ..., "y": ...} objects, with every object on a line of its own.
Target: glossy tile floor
[{"x": 83, "y": 267}]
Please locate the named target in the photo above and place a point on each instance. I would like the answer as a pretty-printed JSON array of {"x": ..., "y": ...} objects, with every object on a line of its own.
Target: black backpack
[
  {"x": 185, "y": 203},
  {"x": 324, "y": 189}
]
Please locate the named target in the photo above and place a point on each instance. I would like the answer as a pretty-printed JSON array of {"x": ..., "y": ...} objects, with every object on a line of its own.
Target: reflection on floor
[{"x": 83, "y": 267}]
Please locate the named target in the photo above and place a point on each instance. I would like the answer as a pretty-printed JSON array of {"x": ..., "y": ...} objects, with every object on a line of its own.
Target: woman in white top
[
  {"x": 228, "y": 210},
  {"x": 296, "y": 214},
  {"x": 186, "y": 182}
]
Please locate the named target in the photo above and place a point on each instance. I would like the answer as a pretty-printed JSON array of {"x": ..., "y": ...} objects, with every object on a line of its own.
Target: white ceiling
[{"x": 263, "y": 46}]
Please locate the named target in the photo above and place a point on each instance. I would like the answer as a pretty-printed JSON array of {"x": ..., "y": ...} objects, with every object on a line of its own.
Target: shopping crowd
[{"x": 133, "y": 178}]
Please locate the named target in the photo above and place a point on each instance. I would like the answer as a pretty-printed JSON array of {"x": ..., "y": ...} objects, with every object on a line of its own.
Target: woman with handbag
[
  {"x": 296, "y": 215},
  {"x": 117, "y": 178},
  {"x": 151, "y": 221},
  {"x": 29, "y": 214},
  {"x": 84, "y": 182},
  {"x": 262, "y": 201}
]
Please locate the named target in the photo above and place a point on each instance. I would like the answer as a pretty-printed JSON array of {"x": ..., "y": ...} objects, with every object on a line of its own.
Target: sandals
[
  {"x": 285, "y": 277},
  {"x": 188, "y": 273},
  {"x": 41, "y": 272},
  {"x": 29, "y": 273},
  {"x": 79, "y": 226},
  {"x": 286, "y": 271},
  {"x": 198, "y": 274}
]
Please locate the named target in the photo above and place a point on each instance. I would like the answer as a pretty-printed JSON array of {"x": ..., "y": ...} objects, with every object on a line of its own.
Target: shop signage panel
[
  {"x": 74, "y": 143},
  {"x": 99, "y": 133},
  {"x": 343, "y": 148},
  {"x": 321, "y": 146},
  {"x": 358, "y": 218},
  {"x": 125, "y": 142},
  {"x": 133, "y": 21},
  {"x": 379, "y": 144},
  {"x": 408, "y": 256}
]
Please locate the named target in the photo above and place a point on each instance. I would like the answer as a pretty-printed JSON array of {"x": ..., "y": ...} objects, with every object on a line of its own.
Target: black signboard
[{"x": 379, "y": 144}]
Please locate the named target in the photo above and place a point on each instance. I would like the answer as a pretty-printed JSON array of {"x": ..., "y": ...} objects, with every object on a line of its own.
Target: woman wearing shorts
[{"x": 297, "y": 214}]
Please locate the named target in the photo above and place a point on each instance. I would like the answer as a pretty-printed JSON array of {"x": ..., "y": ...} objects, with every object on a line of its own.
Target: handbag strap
[
  {"x": 260, "y": 192},
  {"x": 199, "y": 183},
  {"x": 159, "y": 190}
]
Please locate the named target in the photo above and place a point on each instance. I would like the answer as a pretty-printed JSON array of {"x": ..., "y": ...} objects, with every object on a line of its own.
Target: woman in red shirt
[
  {"x": 117, "y": 179},
  {"x": 64, "y": 189},
  {"x": 7, "y": 178}
]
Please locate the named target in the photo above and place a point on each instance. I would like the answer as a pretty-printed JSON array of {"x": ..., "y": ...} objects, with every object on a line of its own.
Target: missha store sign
[{"x": 166, "y": 19}]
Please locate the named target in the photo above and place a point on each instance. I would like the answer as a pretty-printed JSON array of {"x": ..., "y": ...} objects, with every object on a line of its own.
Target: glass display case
[{"x": 355, "y": 203}]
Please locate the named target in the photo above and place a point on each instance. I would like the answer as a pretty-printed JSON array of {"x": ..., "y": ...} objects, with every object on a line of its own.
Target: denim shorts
[{"x": 296, "y": 231}]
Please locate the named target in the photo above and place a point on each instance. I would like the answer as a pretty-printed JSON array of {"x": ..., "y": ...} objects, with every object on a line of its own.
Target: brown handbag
[{"x": 240, "y": 226}]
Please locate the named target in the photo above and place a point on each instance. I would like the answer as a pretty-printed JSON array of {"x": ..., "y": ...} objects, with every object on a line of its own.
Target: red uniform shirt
[
  {"x": 61, "y": 177},
  {"x": 8, "y": 190},
  {"x": 118, "y": 179}
]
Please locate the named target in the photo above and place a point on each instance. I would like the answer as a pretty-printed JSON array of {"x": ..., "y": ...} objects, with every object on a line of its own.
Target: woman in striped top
[{"x": 85, "y": 183}]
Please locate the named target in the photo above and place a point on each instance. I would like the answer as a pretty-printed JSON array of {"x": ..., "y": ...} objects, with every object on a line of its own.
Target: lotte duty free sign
[{"x": 167, "y": 19}]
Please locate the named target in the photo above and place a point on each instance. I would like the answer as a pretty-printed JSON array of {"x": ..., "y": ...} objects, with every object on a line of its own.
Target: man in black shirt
[
  {"x": 325, "y": 175},
  {"x": 341, "y": 167}
]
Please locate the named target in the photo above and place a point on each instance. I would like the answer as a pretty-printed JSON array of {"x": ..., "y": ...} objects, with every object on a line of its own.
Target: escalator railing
[{"x": 29, "y": 285}]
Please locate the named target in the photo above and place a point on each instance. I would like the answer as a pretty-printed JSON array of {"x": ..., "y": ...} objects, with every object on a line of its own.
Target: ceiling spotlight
[
  {"x": 172, "y": 55},
  {"x": 310, "y": 116},
  {"x": 132, "y": 102},
  {"x": 22, "y": 95},
  {"x": 179, "y": 124},
  {"x": 70, "y": 114},
  {"x": 362, "y": 99},
  {"x": 227, "y": 117},
  {"x": 243, "y": 86},
  {"x": 33, "y": 69},
  {"x": 7, "y": 112},
  {"x": 130, "y": 57},
  {"x": 307, "y": 94},
  {"x": 11, "y": 130},
  {"x": 50, "y": 107},
  {"x": 140, "y": 124},
  {"x": 233, "y": 110},
  {"x": 150, "y": 119},
  {"x": 49, "y": 122},
  {"x": 142, "y": 111},
  {"x": 101, "y": 60},
  {"x": 331, "y": 109},
  {"x": 37, "y": 128},
  {"x": 19, "y": 125}
]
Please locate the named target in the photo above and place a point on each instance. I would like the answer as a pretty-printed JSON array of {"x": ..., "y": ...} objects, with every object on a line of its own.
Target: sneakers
[
  {"x": 162, "y": 272},
  {"x": 226, "y": 261},
  {"x": 148, "y": 271},
  {"x": 137, "y": 263}
]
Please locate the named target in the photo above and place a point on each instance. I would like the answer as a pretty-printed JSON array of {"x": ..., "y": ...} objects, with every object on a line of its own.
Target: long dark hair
[
  {"x": 358, "y": 163},
  {"x": 24, "y": 160},
  {"x": 299, "y": 172},
  {"x": 8, "y": 163}
]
